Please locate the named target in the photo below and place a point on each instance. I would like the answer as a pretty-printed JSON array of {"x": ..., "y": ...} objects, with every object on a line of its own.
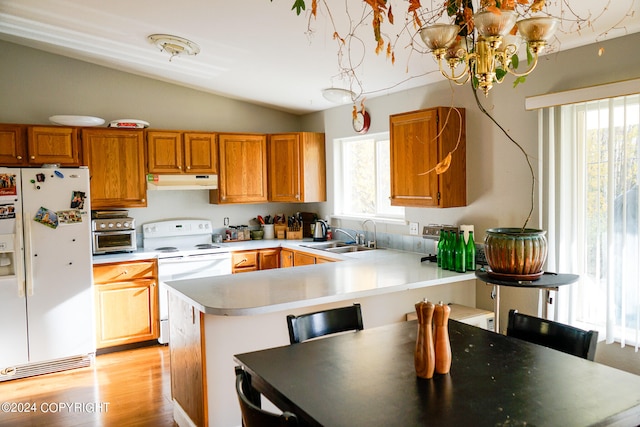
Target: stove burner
[
  {"x": 206, "y": 246},
  {"x": 167, "y": 249}
]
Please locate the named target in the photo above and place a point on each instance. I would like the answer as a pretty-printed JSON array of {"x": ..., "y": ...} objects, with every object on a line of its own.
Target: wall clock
[{"x": 362, "y": 121}]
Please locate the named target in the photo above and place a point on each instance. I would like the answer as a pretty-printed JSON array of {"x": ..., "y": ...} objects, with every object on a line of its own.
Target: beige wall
[{"x": 35, "y": 85}]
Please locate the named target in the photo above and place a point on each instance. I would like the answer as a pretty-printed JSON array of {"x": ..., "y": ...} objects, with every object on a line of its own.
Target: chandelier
[{"x": 482, "y": 54}]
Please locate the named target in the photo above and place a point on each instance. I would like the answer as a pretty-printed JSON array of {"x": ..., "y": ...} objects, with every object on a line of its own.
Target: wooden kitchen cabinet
[
  {"x": 286, "y": 258},
  {"x": 177, "y": 152},
  {"x": 53, "y": 144},
  {"x": 269, "y": 258},
  {"x": 116, "y": 162},
  {"x": 297, "y": 167},
  {"x": 292, "y": 258},
  {"x": 254, "y": 260},
  {"x": 13, "y": 145},
  {"x": 244, "y": 261},
  {"x": 419, "y": 140},
  {"x": 22, "y": 145},
  {"x": 188, "y": 359},
  {"x": 126, "y": 302},
  {"x": 242, "y": 169},
  {"x": 301, "y": 258}
]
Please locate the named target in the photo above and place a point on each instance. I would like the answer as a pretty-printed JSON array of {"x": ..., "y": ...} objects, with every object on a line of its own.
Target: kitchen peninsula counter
[
  {"x": 212, "y": 319},
  {"x": 356, "y": 275}
]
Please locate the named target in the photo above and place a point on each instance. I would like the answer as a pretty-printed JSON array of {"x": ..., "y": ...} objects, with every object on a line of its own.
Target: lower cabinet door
[{"x": 127, "y": 312}]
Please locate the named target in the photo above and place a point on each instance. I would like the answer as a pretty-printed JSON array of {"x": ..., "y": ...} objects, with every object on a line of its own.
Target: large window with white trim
[
  {"x": 362, "y": 177},
  {"x": 595, "y": 172}
]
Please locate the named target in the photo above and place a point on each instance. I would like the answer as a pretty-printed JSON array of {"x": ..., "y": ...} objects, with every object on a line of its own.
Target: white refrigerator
[{"x": 46, "y": 294}]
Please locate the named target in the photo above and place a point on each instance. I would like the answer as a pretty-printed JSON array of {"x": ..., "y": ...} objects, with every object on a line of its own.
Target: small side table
[{"x": 547, "y": 283}]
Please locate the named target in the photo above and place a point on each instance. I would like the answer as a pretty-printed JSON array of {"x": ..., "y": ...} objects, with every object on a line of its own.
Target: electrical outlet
[
  {"x": 413, "y": 228},
  {"x": 226, "y": 221}
]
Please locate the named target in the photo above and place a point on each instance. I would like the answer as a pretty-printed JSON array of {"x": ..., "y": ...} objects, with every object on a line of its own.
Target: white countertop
[{"x": 357, "y": 275}]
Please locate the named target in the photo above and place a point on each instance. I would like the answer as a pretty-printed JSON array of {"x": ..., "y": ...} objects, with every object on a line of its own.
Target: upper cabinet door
[
  {"x": 116, "y": 162},
  {"x": 182, "y": 152},
  {"x": 201, "y": 152},
  {"x": 53, "y": 145},
  {"x": 243, "y": 169},
  {"x": 297, "y": 167},
  {"x": 13, "y": 144},
  {"x": 164, "y": 152},
  {"x": 284, "y": 167},
  {"x": 419, "y": 141}
]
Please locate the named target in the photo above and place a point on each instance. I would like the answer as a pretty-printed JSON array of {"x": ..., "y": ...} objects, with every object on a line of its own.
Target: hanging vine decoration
[
  {"x": 379, "y": 16},
  {"x": 418, "y": 16}
]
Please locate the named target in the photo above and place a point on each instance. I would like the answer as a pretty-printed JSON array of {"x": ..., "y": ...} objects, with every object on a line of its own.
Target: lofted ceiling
[{"x": 257, "y": 51}]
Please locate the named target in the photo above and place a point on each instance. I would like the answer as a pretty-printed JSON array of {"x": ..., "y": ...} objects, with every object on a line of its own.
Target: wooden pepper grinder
[
  {"x": 424, "y": 356},
  {"x": 441, "y": 337}
]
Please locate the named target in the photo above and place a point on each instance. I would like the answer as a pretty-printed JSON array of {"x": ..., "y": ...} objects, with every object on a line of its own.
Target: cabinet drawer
[
  {"x": 124, "y": 271},
  {"x": 244, "y": 261}
]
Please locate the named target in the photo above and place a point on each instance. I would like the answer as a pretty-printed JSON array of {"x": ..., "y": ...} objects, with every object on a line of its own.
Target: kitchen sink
[
  {"x": 348, "y": 248},
  {"x": 325, "y": 245},
  {"x": 337, "y": 247}
]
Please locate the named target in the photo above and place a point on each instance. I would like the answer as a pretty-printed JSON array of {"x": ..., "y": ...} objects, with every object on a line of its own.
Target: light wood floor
[{"x": 127, "y": 388}]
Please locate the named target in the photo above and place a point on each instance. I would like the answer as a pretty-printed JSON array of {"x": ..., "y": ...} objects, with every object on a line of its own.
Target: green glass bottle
[
  {"x": 440, "y": 247},
  {"x": 460, "y": 254},
  {"x": 446, "y": 251},
  {"x": 471, "y": 253}
]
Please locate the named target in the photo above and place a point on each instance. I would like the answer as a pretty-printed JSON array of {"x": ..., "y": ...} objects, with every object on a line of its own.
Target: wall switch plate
[{"x": 413, "y": 228}]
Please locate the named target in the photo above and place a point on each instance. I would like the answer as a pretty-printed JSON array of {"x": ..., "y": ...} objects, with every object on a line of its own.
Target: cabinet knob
[
  {"x": 188, "y": 167},
  {"x": 33, "y": 157},
  {"x": 180, "y": 167},
  {"x": 19, "y": 157}
]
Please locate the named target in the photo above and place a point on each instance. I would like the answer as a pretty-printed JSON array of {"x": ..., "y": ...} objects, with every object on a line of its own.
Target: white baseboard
[{"x": 180, "y": 416}]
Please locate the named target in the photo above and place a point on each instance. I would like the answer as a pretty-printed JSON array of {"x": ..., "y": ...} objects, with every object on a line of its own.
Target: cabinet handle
[{"x": 242, "y": 261}]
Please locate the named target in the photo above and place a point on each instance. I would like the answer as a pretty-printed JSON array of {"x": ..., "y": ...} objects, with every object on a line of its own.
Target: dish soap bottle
[{"x": 424, "y": 357}]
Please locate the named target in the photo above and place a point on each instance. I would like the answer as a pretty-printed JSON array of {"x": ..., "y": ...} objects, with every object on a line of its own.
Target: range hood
[{"x": 182, "y": 182}]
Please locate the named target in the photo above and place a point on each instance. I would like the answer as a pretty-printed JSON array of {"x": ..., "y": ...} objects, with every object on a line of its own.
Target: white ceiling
[{"x": 256, "y": 50}]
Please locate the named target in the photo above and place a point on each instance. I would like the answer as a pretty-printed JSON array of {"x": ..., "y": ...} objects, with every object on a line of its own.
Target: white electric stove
[{"x": 185, "y": 251}]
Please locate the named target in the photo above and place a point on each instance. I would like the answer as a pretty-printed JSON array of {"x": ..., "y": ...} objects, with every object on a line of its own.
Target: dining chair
[
  {"x": 325, "y": 322},
  {"x": 558, "y": 336},
  {"x": 252, "y": 414}
]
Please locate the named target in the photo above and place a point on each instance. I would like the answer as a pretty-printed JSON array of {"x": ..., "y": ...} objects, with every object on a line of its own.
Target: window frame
[{"x": 340, "y": 164}]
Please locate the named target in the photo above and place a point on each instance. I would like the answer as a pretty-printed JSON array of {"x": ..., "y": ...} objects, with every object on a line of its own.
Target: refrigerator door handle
[
  {"x": 19, "y": 256},
  {"x": 27, "y": 254}
]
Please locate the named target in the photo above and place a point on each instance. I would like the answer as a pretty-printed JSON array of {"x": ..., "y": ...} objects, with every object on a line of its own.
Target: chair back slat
[
  {"x": 556, "y": 335},
  {"x": 321, "y": 323}
]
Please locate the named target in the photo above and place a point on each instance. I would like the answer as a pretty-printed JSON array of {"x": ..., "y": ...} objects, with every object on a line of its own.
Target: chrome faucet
[
  {"x": 354, "y": 238},
  {"x": 372, "y": 243}
]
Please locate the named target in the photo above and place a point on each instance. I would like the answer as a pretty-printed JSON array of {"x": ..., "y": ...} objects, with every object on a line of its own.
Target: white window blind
[{"x": 589, "y": 193}]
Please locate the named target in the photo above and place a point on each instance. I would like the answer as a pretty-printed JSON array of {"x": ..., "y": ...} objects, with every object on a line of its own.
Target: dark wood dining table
[{"x": 368, "y": 378}]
